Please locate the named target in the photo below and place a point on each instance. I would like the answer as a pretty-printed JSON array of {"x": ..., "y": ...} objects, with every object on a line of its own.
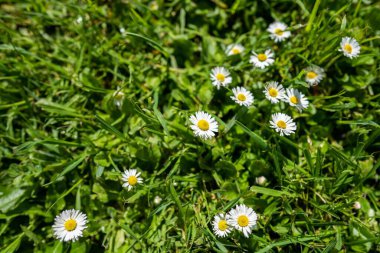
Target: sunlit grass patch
[{"x": 189, "y": 126}]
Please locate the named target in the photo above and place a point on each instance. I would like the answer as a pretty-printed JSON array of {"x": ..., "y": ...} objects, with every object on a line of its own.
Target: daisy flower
[
  {"x": 314, "y": 75},
  {"x": 283, "y": 124},
  {"x": 153, "y": 6},
  {"x": 242, "y": 218},
  {"x": 69, "y": 225},
  {"x": 371, "y": 213},
  {"x": 131, "y": 178},
  {"x": 220, "y": 76},
  {"x": 118, "y": 97},
  {"x": 242, "y": 96},
  {"x": 220, "y": 225},
  {"x": 234, "y": 49},
  {"x": 261, "y": 180},
  {"x": 296, "y": 98},
  {"x": 262, "y": 60},
  {"x": 350, "y": 47},
  {"x": 157, "y": 200},
  {"x": 357, "y": 205},
  {"x": 122, "y": 30},
  {"x": 274, "y": 92},
  {"x": 79, "y": 20},
  {"x": 277, "y": 31},
  {"x": 203, "y": 125}
]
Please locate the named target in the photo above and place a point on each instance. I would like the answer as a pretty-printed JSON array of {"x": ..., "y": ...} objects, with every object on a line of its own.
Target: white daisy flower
[
  {"x": 242, "y": 96},
  {"x": 262, "y": 60},
  {"x": 157, "y": 200},
  {"x": 277, "y": 31},
  {"x": 220, "y": 225},
  {"x": 69, "y": 225},
  {"x": 261, "y": 180},
  {"x": 220, "y": 76},
  {"x": 371, "y": 213},
  {"x": 357, "y": 205},
  {"x": 131, "y": 178},
  {"x": 274, "y": 92},
  {"x": 153, "y": 6},
  {"x": 242, "y": 218},
  {"x": 314, "y": 75},
  {"x": 203, "y": 125},
  {"x": 79, "y": 20},
  {"x": 283, "y": 124},
  {"x": 350, "y": 47},
  {"x": 122, "y": 30},
  {"x": 234, "y": 49},
  {"x": 118, "y": 97},
  {"x": 296, "y": 98}
]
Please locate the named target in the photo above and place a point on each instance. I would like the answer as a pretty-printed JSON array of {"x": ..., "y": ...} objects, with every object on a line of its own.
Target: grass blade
[
  {"x": 109, "y": 127},
  {"x": 151, "y": 42},
  {"x": 270, "y": 192},
  {"x": 256, "y": 138}
]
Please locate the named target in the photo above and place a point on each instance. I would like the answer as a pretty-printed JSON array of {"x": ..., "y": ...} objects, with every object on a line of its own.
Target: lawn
[{"x": 189, "y": 126}]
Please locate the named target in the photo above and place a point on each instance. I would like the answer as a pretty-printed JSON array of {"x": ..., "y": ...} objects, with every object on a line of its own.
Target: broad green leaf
[
  {"x": 10, "y": 198},
  {"x": 78, "y": 247}
]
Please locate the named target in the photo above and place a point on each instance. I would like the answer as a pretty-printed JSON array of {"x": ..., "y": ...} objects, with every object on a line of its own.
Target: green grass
[{"x": 64, "y": 143}]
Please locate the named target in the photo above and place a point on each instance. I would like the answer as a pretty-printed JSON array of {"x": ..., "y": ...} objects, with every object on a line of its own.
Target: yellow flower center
[
  {"x": 132, "y": 180},
  {"x": 278, "y": 31},
  {"x": 348, "y": 48},
  {"x": 273, "y": 92},
  {"x": 243, "y": 221},
  {"x": 222, "y": 225},
  {"x": 235, "y": 51},
  {"x": 241, "y": 97},
  {"x": 281, "y": 124},
  {"x": 220, "y": 77},
  {"x": 70, "y": 225},
  {"x": 261, "y": 57},
  {"x": 294, "y": 100},
  {"x": 311, "y": 75},
  {"x": 203, "y": 125}
]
